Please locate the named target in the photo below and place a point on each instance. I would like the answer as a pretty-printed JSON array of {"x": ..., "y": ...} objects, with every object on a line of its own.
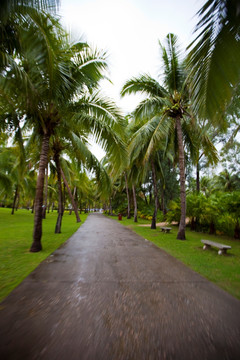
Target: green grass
[
  {"x": 16, "y": 262},
  {"x": 223, "y": 270}
]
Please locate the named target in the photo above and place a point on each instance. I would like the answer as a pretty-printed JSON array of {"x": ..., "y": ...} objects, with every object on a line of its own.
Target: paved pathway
[{"x": 109, "y": 294}]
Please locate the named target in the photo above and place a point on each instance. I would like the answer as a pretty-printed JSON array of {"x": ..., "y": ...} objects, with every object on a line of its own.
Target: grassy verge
[
  {"x": 222, "y": 270},
  {"x": 16, "y": 262}
]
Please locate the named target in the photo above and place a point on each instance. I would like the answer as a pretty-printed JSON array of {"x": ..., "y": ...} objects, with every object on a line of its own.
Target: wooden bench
[
  {"x": 222, "y": 248},
  {"x": 166, "y": 229}
]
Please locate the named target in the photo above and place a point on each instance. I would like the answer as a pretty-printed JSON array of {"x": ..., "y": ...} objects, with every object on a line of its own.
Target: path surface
[{"x": 109, "y": 294}]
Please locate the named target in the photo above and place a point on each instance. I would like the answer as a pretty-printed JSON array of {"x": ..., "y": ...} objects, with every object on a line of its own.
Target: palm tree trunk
[
  {"x": 46, "y": 194},
  {"x": 74, "y": 194},
  {"x": 37, "y": 232},
  {"x": 80, "y": 201},
  {"x": 64, "y": 197},
  {"x": 14, "y": 200},
  {"x": 60, "y": 195},
  {"x": 182, "y": 224},
  {"x": 18, "y": 201},
  {"x": 198, "y": 178},
  {"x": 154, "y": 218},
  {"x": 128, "y": 197},
  {"x": 71, "y": 197},
  {"x": 163, "y": 207},
  {"x": 33, "y": 205},
  {"x": 135, "y": 204},
  {"x": 150, "y": 196}
]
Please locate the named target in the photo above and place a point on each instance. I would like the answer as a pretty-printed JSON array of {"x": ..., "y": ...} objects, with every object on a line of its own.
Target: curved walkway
[{"x": 109, "y": 294}]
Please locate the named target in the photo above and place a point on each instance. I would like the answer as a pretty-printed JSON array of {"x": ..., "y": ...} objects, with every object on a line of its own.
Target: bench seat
[
  {"x": 166, "y": 229},
  {"x": 222, "y": 248}
]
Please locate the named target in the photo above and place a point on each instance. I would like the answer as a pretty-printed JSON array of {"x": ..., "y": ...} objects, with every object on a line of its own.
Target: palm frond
[
  {"x": 9, "y": 7},
  {"x": 173, "y": 69},
  {"x": 91, "y": 163},
  {"x": 105, "y": 123},
  {"x": 143, "y": 84},
  {"x": 5, "y": 181},
  {"x": 214, "y": 58},
  {"x": 148, "y": 107}
]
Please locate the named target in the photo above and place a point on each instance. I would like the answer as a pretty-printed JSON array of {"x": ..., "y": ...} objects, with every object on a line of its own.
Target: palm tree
[
  {"x": 147, "y": 157},
  {"x": 165, "y": 111},
  {"x": 204, "y": 148},
  {"x": 56, "y": 75},
  {"x": 214, "y": 58},
  {"x": 227, "y": 182}
]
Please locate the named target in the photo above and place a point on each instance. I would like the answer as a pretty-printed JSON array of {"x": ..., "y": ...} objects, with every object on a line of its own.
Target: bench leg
[{"x": 222, "y": 251}]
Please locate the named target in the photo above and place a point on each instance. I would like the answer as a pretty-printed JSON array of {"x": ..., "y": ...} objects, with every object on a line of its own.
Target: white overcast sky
[{"x": 129, "y": 31}]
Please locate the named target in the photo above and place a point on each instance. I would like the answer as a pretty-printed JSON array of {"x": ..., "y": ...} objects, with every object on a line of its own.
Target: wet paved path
[{"x": 109, "y": 294}]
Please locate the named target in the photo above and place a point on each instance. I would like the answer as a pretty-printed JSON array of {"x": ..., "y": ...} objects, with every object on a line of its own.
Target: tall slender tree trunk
[
  {"x": 37, "y": 232},
  {"x": 154, "y": 178},
  {"x": 18, "y": 201},
  {"x": 128, "y": 197},
  {"x": 195, "y": 221},
  {"x": 150, "y": 195},
  {"x": 182, "y": 224},
  {"x": 15, "y": 200},
  {"x": 135, "y": 204},
  {"x": 71, "y": 197},
  {"x": 74, "y": 194},
  {"x": 60, "y": 195},
  {"x": 64, "y": 197},
  {"x": 163, "y": 207},
  {"x": 80, "y": 205},
  {"x": 33, "y": 205},
  {"x": 45, "y": 194},
  {"x": 198, "y": 178}
]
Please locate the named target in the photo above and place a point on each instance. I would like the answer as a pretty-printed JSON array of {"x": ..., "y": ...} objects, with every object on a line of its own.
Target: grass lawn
[
  {"x": 16, "y": 262},
  {"x": 223, "y": 270}
]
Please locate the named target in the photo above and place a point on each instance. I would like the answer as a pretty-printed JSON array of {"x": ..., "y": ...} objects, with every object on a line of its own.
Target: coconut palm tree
[
  {"x": 214, "y": 58},
  {"x": 165, "y": 110},
  {"x": 147, "y": 157},
  {"x": 204, "y": 148},
  {"x": 57, "y": 74}
]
